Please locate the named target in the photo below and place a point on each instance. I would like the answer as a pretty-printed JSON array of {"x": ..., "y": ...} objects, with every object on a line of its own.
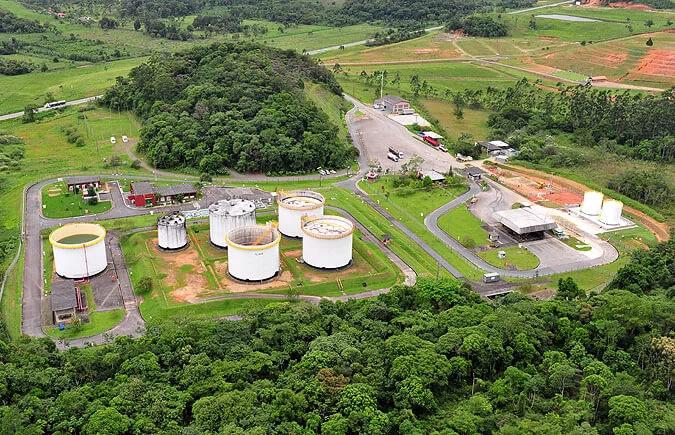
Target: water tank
[
  {"x": 172, "y": 231},
  {"x": 79, "y": 250},
  {"x": 611, "y": 212},
  {"x": 327, "y": 241},
  {"x": 226, "y": 215},
  {"x": 253, "y": 253},
  {"x": 592, "y": 204},
  {"x": 293, "y": 206}
]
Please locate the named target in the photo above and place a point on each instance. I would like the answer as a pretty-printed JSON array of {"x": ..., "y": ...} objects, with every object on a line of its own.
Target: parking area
[{"x": 380, "y": 133}]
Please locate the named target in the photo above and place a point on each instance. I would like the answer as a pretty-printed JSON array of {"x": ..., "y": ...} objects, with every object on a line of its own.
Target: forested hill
[
  {"x": 431, "y": 359},
  {"x": 232, "y": 105},
  {"x": 296, "y": 11}
]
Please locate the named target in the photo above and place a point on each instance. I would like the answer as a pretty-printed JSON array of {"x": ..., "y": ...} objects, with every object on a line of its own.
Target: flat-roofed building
[{"x": 524, "y": 221}]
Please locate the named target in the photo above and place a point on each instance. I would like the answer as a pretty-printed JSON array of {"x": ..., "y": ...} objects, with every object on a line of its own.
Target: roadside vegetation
[{"x": 58, "y": 202}]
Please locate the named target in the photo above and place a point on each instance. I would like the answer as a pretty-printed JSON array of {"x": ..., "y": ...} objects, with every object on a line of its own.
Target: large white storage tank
[
  {"x": 79, "y": 250},
  {"x": 253, "y": 253},
  {"x": 226, "y": 215},
  {"x": 327, "y": 241},
  {"x": 611, "y": 212},
  {"x": 294, "y": 205},
  {"x": 592, "y": 204},
  {"x": 172, "y": 231}
]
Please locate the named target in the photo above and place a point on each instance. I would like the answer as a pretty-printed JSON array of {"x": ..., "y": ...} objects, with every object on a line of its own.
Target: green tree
[
  {"x": 29, "y": 113},
  {"x": 107, "y": 421}
]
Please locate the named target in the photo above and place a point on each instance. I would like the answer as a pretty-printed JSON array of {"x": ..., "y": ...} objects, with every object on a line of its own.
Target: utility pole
[{"x": 381, "y": 84}]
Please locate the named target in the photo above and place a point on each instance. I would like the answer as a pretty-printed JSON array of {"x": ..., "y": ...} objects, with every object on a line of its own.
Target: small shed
[
  {"x": 64, "y": 301},
  {"x": 142, "y": 194},
  {"x": 83, "y": 182},
  {"x": 394, "y": 104},
  {"x": 473, "y": 173},
  {"x": 177, "y": 193}
]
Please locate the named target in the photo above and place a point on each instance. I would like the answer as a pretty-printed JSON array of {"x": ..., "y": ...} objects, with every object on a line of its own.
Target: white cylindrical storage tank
[
  {"x": 172, "y": 231},
  {"x": 253, "y": 253},
  {"x": 611, "y": 212},
  {"x": 226, "y": 215},
  {"x": 79, "y": 250},
  {"x": 327, "y": 241},
  {"x": 294, "y": 205},
  {"x": 592, "y": 204}
]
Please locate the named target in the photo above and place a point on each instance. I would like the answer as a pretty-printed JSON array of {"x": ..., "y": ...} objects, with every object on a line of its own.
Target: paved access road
[{"x": 43, "y": 109}]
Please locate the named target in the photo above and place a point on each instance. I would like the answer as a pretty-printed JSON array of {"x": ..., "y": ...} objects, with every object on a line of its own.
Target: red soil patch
[
  {"x": 657, "y": 63},
  {"x": 661, "y": 230},
  {"x": 537, "y": 189},
  {"x": 614, "y": 59},
  {"x": 621, "y": 5}
]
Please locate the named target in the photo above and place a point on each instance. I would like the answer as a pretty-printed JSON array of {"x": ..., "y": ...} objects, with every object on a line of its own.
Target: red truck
[{"x": 431, "y": 141}]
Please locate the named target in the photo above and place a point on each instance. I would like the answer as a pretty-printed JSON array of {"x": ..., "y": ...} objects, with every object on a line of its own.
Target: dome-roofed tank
[
  {"x": 327, "y": 241},
  {"x": 253, "y": 252},
  {"x": 226, "y": 215},
  {"x": 592, "y": 204},
  {"x": 172, "y": 231},
  {"x": 294, "y": 205},
  {"x": 79, "y": 250},
  {"x": 611, "y": 212}
]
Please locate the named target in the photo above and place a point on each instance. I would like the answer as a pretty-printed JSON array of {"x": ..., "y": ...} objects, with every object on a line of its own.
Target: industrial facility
[
  {"x": 227, "y": 215},
  {"x": 293, "y": 206},
  {"x": 592, "y": 204},
  {"x": 172, "y": 231},
  {"x": 253, "y": 253},
  {"x": 611, "y": 212},
  {"x": 327, "y": 241},
  {"x": 523, "y": 221},
  {"x": 79, "y": 250}
]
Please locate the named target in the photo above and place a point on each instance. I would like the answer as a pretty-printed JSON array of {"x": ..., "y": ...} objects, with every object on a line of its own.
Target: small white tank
[
  {"x": 79, "y": 250},
  {"x": 327, "y": 241},
  {"x": 611, "y": 212},
  {"x": 226, "y": 215},
  {"x": 293, "y": 206},
  {"x": 253, "y": 253},
  {"x": 592, "y": 204},
  {"x": 172, "y": 231}
]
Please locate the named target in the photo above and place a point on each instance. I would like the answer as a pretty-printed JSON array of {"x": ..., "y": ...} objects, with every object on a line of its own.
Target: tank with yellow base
[
  {"x": 253, "y": 253},
  {"x": 79, "y": 250}
]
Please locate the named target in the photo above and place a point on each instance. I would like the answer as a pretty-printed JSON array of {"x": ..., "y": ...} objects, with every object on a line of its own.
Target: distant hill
[{"x": 235, "y": 106}]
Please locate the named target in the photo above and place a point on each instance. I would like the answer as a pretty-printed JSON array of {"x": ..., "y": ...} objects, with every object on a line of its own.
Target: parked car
[
  {"x": 393, "y": 157},
  {"x": 113, "y": 140},
  {"x": 443, "y": 148},
  {"x": 125, "y": 139}
]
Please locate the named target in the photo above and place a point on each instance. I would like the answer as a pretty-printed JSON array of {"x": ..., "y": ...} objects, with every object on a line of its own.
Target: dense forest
[
  {"x": 232, "y": 105},
  {"x": 429, "y": 359},
  {"x": 397, "y": 12}
]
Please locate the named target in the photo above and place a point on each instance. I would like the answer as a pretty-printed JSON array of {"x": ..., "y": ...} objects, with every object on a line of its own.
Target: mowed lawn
[
  {"x": 473, "y": 122},
  {"x": 62, "y": 84},
  {"x": 460, "y": 224},
  {"x": 58, "y": 202},
  {"x": 516, "y": 258}
]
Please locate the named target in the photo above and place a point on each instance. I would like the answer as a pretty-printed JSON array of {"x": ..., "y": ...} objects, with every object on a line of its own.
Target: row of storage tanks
[
  {"x": 608, "y": 211},
  {"x": 253, "y": 250}
]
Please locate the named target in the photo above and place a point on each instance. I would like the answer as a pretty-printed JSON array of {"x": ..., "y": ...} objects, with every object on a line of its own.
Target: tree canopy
[
  {"x": 434, "y": 358},
  {"x": 237, "y": 106}
]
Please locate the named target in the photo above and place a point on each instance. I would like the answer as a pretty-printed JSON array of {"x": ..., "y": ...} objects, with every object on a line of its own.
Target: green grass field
[
  {"x": 411, "y": 205},
  {"x": 63, "y": 84},
  {"x": 516, "y": 258},
  {"x": 463, "y": 226},
  {"x": 99, "y": 321},
  {"x": 58, "y": 202},
  {"x": 474, "y": 122}
]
